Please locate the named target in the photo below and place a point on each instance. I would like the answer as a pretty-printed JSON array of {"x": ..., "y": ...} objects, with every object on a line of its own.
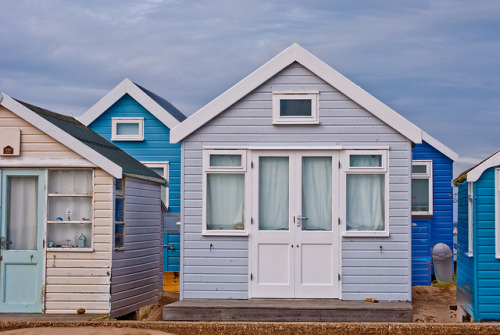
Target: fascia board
[
  {"x": 128, "y": 87},
  {"x": 296, "y": 53},
  {"x": 61, "y": 136},
  {"x": 474, "y": 174},
  {"x": 440, "y": 147}
]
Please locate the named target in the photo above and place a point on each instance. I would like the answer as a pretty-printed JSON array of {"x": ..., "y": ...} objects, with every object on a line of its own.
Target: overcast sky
[{"x": 435, "y": 62}]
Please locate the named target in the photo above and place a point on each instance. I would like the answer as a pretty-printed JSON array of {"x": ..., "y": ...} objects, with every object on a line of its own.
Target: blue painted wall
[
  {"x": 465, "y": 264},
  {"x": 172, "y": 260},
  {"x": 155, "y": 147},
  {"x": 439, "y": 229}
]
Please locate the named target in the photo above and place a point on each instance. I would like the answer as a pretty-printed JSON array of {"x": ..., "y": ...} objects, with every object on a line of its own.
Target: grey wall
[
  {"x": 367, "y": 271},
  {"x": 136, "y": 273}
]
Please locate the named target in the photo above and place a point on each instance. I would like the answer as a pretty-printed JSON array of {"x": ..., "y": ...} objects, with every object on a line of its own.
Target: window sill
[
  {"x": 225, "y": 233},
  {"x": 130, "y": 139},
  {"x": 295, "y": 122},
  {"x": 365, "y": 234},
  {"x": 70, "y": 250},
  {"x": 469, "y": 254}
]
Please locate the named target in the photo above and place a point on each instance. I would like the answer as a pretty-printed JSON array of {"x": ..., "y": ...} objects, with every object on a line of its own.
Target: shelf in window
[
  {"x": 69, "y": 195},
  {"x": 59, "y": 221},
  {"x": 72, "y": 249}
]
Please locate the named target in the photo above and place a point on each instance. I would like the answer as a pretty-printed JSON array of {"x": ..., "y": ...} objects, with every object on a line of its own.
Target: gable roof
[
  {"x": 295, "y": 53},
  {"x": 80, "y": 139},
  {"x": 440, "y": 146},
  {"x": 475, "y": 172},
  {"x": 156, "y": 105}
]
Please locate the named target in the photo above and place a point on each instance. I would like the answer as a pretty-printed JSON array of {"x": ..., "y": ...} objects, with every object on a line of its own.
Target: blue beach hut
[
  {"x": 432, "y": 204},
  {"x": 478, "y": 255},
  {"x": 138, "y": 121}
]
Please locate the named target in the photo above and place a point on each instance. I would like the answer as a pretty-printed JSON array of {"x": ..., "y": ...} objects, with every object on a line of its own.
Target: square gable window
[
  {"x": 127, "y": 129},
  {"x": 295, "y": 108}
]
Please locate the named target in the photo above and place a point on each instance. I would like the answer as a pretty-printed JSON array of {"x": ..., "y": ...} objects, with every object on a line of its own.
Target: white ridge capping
[{"x": 296, "y": 53}]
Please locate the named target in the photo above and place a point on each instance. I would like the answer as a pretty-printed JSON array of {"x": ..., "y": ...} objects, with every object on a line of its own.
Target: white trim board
[
  {"x": 474, "y": 174},
  {"x": 440, "y": 146},
  {"x": 58, "y": 134},
  {"x": 296, "y": 53},
  {"x": 128, "y": 87}
]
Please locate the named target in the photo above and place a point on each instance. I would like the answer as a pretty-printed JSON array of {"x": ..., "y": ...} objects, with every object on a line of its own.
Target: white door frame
[{"x": 295, "y": 203}]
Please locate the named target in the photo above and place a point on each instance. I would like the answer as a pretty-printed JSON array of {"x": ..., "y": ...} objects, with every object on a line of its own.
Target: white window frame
[
  {"x": 429, "y": 176},
  {"x": 470, "y": 204},
  {"x": 497, "y": 213},
  {"x": 242, "y": 170},
  {"x": 346, "y": 170},
  {"x": 166, "y": 176},
  {"x": 117, "y": 120},
  {"x": 312, "y": 119}
]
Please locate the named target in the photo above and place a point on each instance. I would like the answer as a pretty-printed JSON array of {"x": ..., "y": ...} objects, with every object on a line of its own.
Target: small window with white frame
[
  {"x": 366, "y": 193},
  {"x": 421, "y": 188},
  {"x": 224, "y": 185},
  {"x": 162, "y": 169},
  {"x": 127, "y": 129},
  {"x": 295, "y": 108}
]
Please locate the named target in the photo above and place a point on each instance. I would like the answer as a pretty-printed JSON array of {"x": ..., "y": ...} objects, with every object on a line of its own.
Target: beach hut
[
  {"x": 296, "y": 184},
  {"x": 138, "y": 121},
  {"x": 80, "y": 219},
  {"x": 432, "y": 204},
  {"x": 478, "y": 240}
]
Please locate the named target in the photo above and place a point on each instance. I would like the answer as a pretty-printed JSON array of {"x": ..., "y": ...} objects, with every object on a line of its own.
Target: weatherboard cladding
[
  {"x": 465, "y": 264},
  {"x": 440, "y": 226},
  {"x": 155, "y": 147},
  {"x": 85, "y": 135},
  {"x": 136, "y": 273},
  {"x": 367, "y": 272}
]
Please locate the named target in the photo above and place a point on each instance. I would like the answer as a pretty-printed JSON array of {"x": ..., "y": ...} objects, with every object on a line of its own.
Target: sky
[{"x": 437, "y": 63}]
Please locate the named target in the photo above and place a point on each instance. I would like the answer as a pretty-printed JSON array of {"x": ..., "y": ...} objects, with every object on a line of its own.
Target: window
[
  {"x": 69, "y": 210},
  {"x": 366, "y": 189},
  {"x": 470, "y": 203},
  {"x": 127, "y": 129},
  {"x": 162, "y": 169},
  {"x": 295, "y": 108},
  {"x": 421, "y": 188},
  {"x": 119, "y": 214},
  {"x": 224, "y": 192}
]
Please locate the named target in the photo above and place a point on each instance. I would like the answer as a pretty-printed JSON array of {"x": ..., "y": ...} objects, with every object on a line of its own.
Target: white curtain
[
  {"x": 365, "y": 202},
  {"x": 273, "y": 193},
  {"x": 225, "y": 201},
  {"x": 317, "y": 193},
  {"x": 22, "y": 219},
  {"x": 70, "y": 181}
]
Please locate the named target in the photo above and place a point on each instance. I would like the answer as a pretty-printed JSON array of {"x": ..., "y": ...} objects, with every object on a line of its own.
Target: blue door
[{"x": 21, "y": 240}]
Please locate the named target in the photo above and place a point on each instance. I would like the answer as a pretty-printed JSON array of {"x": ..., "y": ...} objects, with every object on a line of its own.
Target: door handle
[
  {"x": 170, "y": 246},
  {"x": 300, "y": 219}
]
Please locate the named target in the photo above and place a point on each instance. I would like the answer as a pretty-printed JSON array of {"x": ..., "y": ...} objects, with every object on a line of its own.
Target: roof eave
[{"x": 440, "y": 146}]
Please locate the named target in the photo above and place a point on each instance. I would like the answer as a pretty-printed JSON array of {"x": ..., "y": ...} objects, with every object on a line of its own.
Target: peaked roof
[
  {"x": 156, "y": 105},
  {"x": 296, "y": 53},
  {"x": 440, "y": 146},
  {"x": 473, "y": 174},
  {"x": 80, "y": 139}
]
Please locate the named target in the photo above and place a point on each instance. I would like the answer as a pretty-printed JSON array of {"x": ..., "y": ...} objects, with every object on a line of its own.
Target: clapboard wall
[
  {"x": 136, "y": 275},
  {"x": 367, "y": 272}
]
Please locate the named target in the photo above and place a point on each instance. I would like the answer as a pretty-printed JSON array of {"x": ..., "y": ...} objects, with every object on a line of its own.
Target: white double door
[{"x": 294, "y": 238}]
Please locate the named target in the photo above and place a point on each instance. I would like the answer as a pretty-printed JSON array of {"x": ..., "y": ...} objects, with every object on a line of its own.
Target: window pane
[
  {"x": 225, "y": 201},
  {"x": 419, "y": 169},
  {"x": 317, "y": 193},
  {"x": 273, "y": 193},
  {"x": 127, "y": 129},
  {"x": 119, "y": 209},
  {"x": 119, "y": 235},
  {"x": 70, "y": 182},
  {"x": 365, "y": 202},
  {"x": 365, "y": 160},
  {"x": 293, "y": 107},
  {"x": 69, "y": 209},
  {"x": 420, "y": 195},
  {"x": 225, "y": 160},
  {"x": 22, "y": 213}
]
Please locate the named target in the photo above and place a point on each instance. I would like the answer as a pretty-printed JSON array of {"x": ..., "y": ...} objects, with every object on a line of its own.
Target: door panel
[
  {"x": 22, "y": 241},
  {"x": 294, "y": 256}
]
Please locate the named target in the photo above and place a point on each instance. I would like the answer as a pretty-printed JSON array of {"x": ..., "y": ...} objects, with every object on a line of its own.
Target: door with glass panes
[
  {"x": 21, "y": 225},
  {"x": 294, "y": 238}
]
